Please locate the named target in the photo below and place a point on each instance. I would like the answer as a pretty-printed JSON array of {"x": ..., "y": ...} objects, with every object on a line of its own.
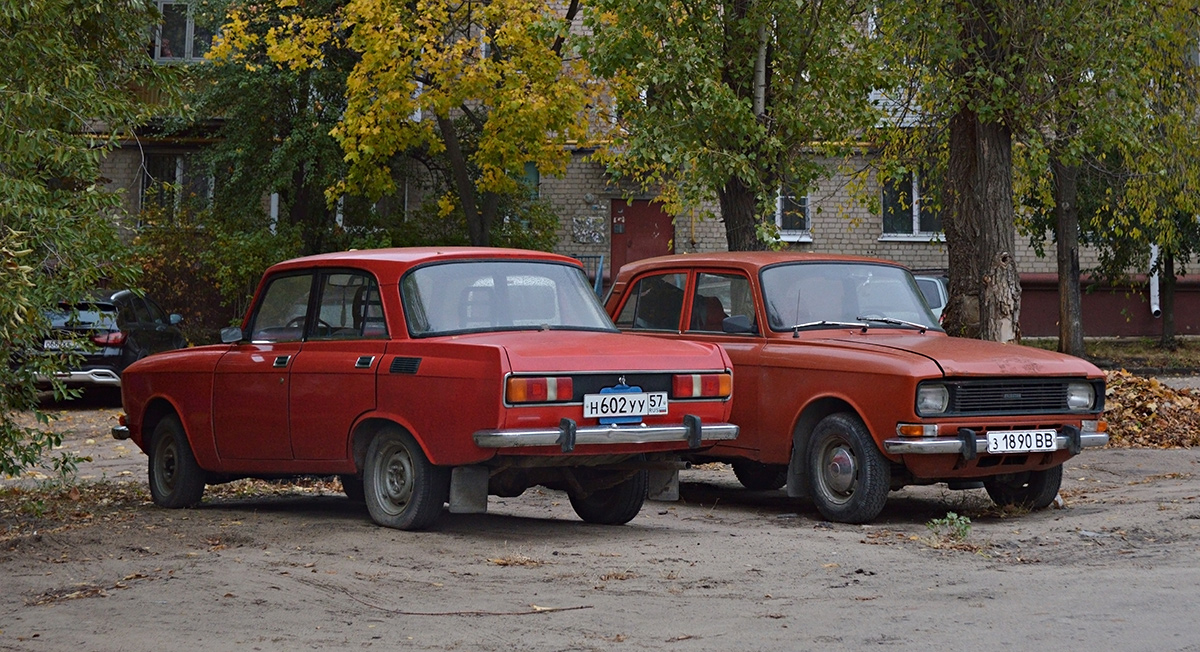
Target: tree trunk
[
  {"x": 1066, "y": 235},
  {"x": 1166, "y": 298},
  {"x": 741, "y": 221},
  {"x": 985, "y": 290},
  {"x": 477, "y": 230},
  {"x": 308, "y": 211}
]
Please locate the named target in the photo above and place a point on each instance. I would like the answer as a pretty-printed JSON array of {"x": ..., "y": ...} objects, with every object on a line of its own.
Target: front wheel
[
  {"x": 176, "y": 480},
  {"x": 615, "y": 505},
  {"x": 849, "y": 478},
  {"x": 1031, "y": 489},
  {"x": 401, "y": 487}
]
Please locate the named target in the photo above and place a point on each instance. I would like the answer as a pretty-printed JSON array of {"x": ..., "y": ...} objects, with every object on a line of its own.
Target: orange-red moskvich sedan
[
  {"x": 426, "y": 376},
  {"x": 848, "y": 388}
]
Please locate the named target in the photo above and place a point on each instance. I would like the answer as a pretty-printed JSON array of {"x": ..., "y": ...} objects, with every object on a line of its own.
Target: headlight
[
  {"x": 932, "y": 399},
  {"x": 1080, "y": 396}
]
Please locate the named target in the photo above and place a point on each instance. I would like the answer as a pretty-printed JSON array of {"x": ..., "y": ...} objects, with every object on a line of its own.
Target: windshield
[
  {"x": 476, "y": 296},
  {"x": 840, "y": 292}
]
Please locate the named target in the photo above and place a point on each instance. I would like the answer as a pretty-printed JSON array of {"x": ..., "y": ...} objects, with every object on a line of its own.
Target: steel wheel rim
[
  {"x": 166, "y": 463},
  {"x": 838, "y": 471},
  {"x": 395, "y": 484}
]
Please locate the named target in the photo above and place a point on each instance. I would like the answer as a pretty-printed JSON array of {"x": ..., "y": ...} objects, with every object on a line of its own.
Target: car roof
[
  {"x": 750, "y": 261},
  {"x": 390, "y": 264}
]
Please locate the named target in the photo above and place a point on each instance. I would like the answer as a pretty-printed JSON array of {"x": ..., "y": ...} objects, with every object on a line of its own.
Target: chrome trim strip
[{"x": 952, "y": 445}]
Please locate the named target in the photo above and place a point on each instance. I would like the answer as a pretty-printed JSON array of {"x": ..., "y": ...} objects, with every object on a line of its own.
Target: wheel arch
[
  {"x": 365, "y": 431},
  {"x": 797, "y": 481}
]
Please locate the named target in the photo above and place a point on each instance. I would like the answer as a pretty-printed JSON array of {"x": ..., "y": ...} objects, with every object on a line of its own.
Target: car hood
[
  {"x": 562, "y": 350},
  {"x": 959, "y": 356}
]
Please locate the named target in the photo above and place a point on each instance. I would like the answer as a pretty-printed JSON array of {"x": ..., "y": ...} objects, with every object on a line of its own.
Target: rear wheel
[
  {"x": 757, "y": 476},
  {"x": 176, "y": 480},
  {"x": 1031, "y": 489},
  {"x": 849, "y": 477},
  {"x": 401, "y": 487},
  {"x": 615, "y": 505}
]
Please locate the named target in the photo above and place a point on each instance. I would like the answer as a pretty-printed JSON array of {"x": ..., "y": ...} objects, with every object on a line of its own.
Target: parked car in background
[
  {"x": 848, "y": 388},
  {"x": 934, "y": 288},
  {"x": 109, "y": 333},
  {"x": 427, "y": 376}
]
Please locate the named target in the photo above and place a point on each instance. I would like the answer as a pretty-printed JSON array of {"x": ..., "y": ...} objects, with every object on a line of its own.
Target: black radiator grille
[{"x": 1016, "y": 396}]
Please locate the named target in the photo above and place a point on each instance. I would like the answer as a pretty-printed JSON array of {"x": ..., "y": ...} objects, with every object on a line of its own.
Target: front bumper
[
  {"x": 968, "y": 443},
  {"x": 569, "y": 434}
]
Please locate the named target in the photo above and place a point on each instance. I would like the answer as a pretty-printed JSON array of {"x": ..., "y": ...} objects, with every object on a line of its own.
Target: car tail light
[
  {"x": 551, "y": 389},
  {"x": 702, "y": 385},
  {"x": 115, "y": 338}
]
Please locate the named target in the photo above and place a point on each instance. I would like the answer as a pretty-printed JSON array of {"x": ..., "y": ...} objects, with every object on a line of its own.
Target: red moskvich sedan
[{"x": 427, "y": 376}]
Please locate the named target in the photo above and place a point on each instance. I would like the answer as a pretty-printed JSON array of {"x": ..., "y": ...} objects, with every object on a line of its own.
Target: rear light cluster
[
  {"x": 553, "y": 389},
  {"x": 701, "y": 385},
  {"x": 115, "y": 338}
]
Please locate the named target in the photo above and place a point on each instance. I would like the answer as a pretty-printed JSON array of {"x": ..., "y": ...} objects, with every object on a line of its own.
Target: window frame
[
  {"x": 189, "y": 56},
  {"x": 915, "y": 233},
  {"x": 784, "y": 195}
]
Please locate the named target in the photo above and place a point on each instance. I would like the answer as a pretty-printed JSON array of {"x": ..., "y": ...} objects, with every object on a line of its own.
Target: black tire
[
  {"x": 849, "y": 478},
  {"x": 615, "y": 505},
  {"x": 757, "y": 476},
  {"x": 1031, "y": 489},
  {"x": 352, "y": 485},
  {"x": 176, "y": 480},
  {"x": 401, "y": 487}
]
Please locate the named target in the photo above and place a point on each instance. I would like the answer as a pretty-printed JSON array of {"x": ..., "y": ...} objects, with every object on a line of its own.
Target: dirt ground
[{"x": 1116, "y": 567}]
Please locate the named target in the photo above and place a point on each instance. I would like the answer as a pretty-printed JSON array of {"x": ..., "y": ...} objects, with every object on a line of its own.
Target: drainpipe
[{"x": 1155, "y": 308}]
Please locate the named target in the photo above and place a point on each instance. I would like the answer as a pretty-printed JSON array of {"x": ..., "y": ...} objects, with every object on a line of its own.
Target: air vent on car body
[{"x": 405, "y": 365}]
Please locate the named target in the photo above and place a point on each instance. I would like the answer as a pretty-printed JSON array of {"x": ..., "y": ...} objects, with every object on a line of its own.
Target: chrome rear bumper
[{"x": 569, "y": 434}]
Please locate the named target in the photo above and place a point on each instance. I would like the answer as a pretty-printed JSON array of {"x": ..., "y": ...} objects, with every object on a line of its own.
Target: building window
[
  {"x": 903, "y": 213},
  {"x": 791, "y": 215},
  {"x": 179, "y": 38},
  {"x": 171, "y": 181}
]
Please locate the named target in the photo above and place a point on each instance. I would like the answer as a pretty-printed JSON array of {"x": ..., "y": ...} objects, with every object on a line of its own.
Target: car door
[
  {"x": 333, "y": 379},
  {"x": 722, "y": 311},
  {"x": 251, "y": 381}
]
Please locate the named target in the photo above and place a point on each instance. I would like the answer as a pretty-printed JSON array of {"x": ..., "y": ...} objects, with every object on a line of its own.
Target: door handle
[
  {"x": 364, "y": 362},
  {"x": 282, "y": 360}
]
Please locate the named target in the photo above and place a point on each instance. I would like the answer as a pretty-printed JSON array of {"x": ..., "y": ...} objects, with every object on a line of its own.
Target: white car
[{"x": 935, "y": 292}]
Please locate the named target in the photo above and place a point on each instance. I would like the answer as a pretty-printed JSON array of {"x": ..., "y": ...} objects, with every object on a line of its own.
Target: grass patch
[{"x": 1134, "y": 352}]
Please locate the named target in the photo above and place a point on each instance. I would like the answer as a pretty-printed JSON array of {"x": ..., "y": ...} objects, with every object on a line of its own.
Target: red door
[{"x": 640, "y": 229}]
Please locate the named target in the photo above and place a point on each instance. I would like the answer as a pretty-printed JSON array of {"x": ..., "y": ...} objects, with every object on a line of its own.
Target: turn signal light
[
  {"x": 115, "y": 338},
  {"x": 539, "y": 389},
  {"x": 701, "y": 385}
]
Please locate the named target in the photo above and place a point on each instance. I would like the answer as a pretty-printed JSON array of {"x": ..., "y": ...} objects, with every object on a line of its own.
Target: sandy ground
[{"x": 1117, "y": 567}]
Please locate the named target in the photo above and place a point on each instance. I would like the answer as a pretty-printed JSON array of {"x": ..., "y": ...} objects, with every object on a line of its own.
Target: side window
[
  {"x": 125, "y": 314},
  {"x": 282, "y": 310},
  {"x": 350, "y": 307},
  {"x": 655, "y": 303},
  {"x": 140, "y": 311},
  {"x": 718, "y": 296},
  {"x": 156, "y": 314}
]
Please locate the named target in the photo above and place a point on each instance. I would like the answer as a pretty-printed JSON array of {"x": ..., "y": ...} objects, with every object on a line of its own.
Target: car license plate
[
  {"x": 1021, "y": 441},
  {"x": 60, "y": 345},
  {"x": 618, "y": 404}
]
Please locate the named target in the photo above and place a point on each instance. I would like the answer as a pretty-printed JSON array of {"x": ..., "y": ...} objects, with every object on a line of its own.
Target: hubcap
[
  {"x": 166, "y": 466},
  {"x": 397, "y": 479},
  {"x": 840, "y": 470}
]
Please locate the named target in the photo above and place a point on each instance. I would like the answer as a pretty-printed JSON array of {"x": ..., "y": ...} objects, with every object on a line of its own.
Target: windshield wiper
[
  {"x": 826, "y": 322},
  {"x": 897, "y": 322}
]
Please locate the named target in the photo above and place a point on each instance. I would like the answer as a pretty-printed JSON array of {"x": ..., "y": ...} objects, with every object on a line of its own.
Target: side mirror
[
  {"x": 738, "y": 324},
  {"x": 231, "y": 334},
  {"x": 175, "y": 319}
]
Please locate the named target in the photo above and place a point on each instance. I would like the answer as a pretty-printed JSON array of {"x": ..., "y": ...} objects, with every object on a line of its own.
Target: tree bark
[
  {"x": 477, "y": 230},
  {"x": 1066, "y": 236},
  {"x": 985, "y": 291},
  {"x": 1166, "y": 298},
  {"x": 738, "y": 212}
]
